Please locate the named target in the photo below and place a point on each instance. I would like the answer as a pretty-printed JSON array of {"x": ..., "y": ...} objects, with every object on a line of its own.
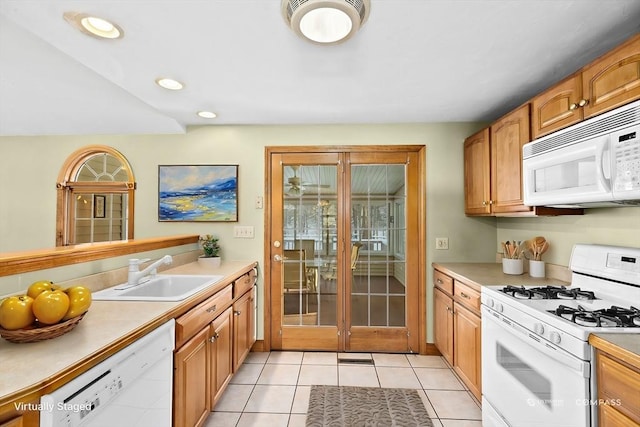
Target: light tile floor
[{"x": 272, "y": 389}]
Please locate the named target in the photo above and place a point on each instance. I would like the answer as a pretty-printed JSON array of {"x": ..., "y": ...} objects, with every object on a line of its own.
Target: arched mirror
[{"x": 95, "y": 197}]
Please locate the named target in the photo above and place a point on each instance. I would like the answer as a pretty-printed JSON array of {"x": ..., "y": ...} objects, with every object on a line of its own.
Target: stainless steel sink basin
[{"x": 164, "y": 287}]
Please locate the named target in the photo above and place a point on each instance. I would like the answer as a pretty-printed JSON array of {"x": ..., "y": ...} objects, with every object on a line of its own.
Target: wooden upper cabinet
[
  {"x": 613, "y": 79},
  {"x": 557, "y": 107},
  {"x": 609, "y": 82},
  {"x": 508, "y": 135},
  {"x": 477, "y": 186}
]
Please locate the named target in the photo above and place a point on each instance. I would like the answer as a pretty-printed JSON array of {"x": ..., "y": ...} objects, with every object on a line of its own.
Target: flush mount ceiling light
[
  {"x": 94, "y": 26},
  {"x": 207, "y": 114},
  {"x": 168, "y": 83},
  {"x": 326, "y": 21}
]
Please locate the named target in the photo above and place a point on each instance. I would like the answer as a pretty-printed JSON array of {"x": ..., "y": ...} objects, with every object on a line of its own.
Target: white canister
[
  {"x": 512, "y": 266},
  {"x": 536, "y": 268}
]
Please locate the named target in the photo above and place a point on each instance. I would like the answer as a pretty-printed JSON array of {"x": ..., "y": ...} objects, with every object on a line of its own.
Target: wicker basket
[{"x": 40, "y": 333}]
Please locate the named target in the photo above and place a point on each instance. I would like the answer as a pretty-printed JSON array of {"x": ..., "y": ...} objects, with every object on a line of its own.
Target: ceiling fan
[{"x": 295, "y": 185}]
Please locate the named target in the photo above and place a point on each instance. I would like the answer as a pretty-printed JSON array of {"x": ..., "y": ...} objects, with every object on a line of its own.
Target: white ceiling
[{"x": 414, "y": 61}]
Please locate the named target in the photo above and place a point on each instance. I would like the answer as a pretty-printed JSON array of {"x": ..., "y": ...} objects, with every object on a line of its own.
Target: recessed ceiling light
[
  {"x": 168, "y": 83},
  {"x": 207, "y": 114},
  {"x": 94, "y": 26}
]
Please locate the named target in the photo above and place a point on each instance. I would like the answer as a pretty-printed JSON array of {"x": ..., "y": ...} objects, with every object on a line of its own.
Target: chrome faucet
[{"x": 136, "y": 276}]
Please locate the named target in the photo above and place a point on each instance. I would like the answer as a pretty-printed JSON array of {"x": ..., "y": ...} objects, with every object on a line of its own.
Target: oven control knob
[
  {"x": 538, "y": 328},
  {"x": 499, "y": 307},
  {"x": 555, "y": 337}
]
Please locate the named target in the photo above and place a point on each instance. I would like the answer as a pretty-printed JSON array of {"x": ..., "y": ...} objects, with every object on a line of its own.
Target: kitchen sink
[{"x": 163, "y": 287}]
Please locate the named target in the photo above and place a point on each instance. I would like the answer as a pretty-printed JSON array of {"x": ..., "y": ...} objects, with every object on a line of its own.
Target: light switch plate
[{"x": 243, "y": 231}]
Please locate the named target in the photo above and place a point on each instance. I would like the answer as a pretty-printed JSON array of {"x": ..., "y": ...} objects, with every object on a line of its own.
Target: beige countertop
[
  {"x": 486, "y": 274},
  {"x": 37, "y": 368},
  {"x": 623, "y": 346}
]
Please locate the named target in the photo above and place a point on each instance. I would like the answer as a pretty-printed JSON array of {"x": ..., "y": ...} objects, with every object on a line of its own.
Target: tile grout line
[{"x": 337, "y": 365}]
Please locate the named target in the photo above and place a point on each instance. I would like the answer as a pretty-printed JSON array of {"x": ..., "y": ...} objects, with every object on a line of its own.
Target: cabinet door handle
[
  {"x": 237, "y": 312},
  {"x": 463, "y": 295},
  {"x": 212, "y": 339},
  {"x": 583, "y": 102},
  {"x": 211, "y": 309},
  {"x": 573, "y": 106}
]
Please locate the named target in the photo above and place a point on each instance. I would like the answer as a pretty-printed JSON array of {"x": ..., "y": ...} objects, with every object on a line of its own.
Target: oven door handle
[{"x": 538, "y": 343}]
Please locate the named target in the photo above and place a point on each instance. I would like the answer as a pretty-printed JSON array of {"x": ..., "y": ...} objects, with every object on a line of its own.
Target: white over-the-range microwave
[{"x": 593, "y": 163}]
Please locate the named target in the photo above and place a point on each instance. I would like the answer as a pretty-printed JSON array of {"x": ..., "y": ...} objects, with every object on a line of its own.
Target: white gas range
[{"x": 536, "y": 359}]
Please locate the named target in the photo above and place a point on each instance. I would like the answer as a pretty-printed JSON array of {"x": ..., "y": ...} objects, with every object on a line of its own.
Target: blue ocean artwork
[{"x": 198, "y": 193}]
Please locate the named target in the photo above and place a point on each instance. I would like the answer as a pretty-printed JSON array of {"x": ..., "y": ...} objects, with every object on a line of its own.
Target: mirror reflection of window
[{"x": 96, "y": 189}]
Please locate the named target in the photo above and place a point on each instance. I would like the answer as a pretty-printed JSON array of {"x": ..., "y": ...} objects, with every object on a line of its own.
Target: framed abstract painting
[{"x": 198, "y": 193}]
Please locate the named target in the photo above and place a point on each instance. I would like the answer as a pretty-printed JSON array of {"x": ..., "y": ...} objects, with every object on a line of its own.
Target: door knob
[{"x": 277, "y": 257}]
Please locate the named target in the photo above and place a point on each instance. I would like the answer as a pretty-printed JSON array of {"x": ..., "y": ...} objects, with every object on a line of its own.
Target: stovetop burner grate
[
  {"x": 614, "y": 316},
  {"x": 548, "y": 292}
]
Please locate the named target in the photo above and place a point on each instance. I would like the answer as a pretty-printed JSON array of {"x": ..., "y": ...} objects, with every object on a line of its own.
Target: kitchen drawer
[
  {"x": 467, "y": 296},
  {"x": 244, "y": 283},
  {"x": 618, "y": 386},
  {"x": 195, "y": 319},
  {"x": 443, "y": 281}
]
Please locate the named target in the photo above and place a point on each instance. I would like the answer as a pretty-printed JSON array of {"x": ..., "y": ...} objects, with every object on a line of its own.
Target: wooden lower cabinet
[
  {"x": 212, "y": 341},
  {"x": 457, "y": 329},
  {"x": 618, "y": 385},
  {"x": 12, "y": 414},
  {"x": 221, "y": 355},
  {"x": 443, "y": 324},
  {"x": 191, "y": 389},
  {"x": 467, "y": 347},
  {"x": 243, "y": 327}
]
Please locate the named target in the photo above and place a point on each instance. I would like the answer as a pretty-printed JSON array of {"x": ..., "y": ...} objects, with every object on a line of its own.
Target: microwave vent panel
[{"x": 592, "y": 128}]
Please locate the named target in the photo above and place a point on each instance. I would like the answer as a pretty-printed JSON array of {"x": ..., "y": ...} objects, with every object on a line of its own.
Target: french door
[{"x": 344, "y": 249}]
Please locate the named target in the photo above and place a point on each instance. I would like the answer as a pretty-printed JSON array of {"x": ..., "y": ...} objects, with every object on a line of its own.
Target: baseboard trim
[
  {"x": 258, "y": 346},
  {"x": 432, "y": 350}
]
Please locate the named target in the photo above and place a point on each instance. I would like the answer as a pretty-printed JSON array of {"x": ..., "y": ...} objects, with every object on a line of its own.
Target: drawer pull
[
  {"x": 463, "y": 295},
  {"x": 439, "y": 281},
  {"x": 212, "y": 309}
]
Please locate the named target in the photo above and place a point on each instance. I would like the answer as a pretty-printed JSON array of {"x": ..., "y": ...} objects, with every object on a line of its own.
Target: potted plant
[{"x": 211, "y": 250}]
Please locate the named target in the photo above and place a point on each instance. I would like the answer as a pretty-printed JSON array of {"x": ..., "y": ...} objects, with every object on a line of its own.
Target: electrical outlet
[
  {"x": 442, "y": 243},
  {"x": 259, "y": 202},
  {"x": 243, "y": 231}
]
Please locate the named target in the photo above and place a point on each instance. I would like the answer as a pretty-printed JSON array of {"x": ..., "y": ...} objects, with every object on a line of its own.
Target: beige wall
[
  {"x": 610, "y": 226},
  {"x": 29, "y": 221}
]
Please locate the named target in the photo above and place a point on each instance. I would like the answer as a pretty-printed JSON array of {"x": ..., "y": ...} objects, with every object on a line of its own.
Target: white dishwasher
[{"x": 131, "y": 388}]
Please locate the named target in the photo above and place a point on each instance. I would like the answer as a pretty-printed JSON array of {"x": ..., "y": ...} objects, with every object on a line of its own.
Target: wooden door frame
[{"x": 422, "y": 225}]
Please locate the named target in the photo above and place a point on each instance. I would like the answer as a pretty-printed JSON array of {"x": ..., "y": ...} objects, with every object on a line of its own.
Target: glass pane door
[
  {"x": 341, "y": 225},
  {"x": 378, "y": 290},
  {"x": 381, "y": 291},
  {"x": 305, "y": 256},
  {"x": 310, "y": 235}
]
